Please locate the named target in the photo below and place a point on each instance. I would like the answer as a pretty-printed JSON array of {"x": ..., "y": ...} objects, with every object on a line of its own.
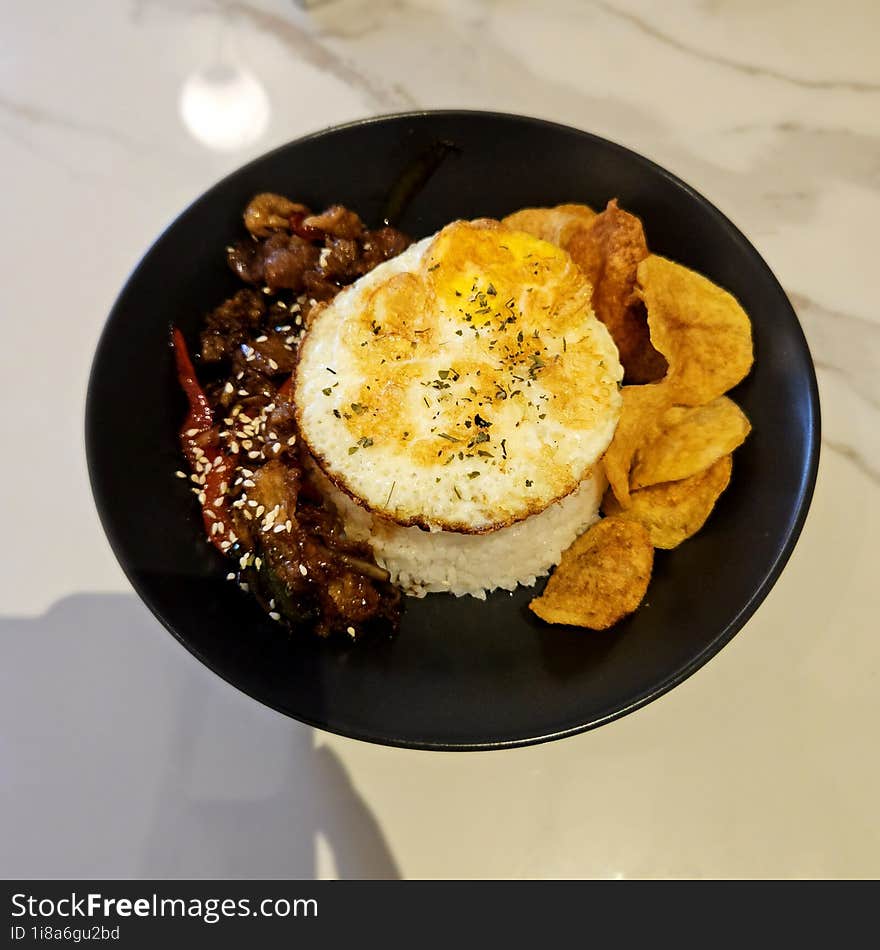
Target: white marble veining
[{"x": 113, "y": 115}]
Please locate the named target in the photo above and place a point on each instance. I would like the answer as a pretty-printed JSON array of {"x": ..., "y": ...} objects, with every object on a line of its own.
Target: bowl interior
[{"x": 462, "y": 673}]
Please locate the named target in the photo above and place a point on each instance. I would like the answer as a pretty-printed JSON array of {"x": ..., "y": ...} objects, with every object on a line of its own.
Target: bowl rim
[{"x": 788, "y": 541}]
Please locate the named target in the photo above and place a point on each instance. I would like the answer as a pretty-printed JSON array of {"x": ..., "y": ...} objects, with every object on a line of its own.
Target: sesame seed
[
  {"x": 258, "y": 562},
  {"x": 273, "y": 364},
  {"x": 291, "y": 440},
  {"x": 180, "y": 474},
  {"x": 262, "y": 338},
  {"x": 303, "y": 570},
  {"x": 277, "y": 528},
  {"x": 244, "y": 586},
  {"x": 253, "y": 455},
  {"x": 201, "y": 497},
  {"x": 228, "y": 388},
  {"x": 274, "y": 615},
  {"x": 350, "y": 631}
]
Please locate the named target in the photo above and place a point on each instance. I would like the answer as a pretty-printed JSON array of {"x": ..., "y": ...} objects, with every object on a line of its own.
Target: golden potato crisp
[
  {"x": 701, "y": 329},
  {"x": 641, "y": 408},
  {"x": 673, "y": 511},
  {"x": 601, "y": 578},
  {"x": 555, "y": 225},
  {"x": 687, "y": 440},
  {"x": 609, "y": 253}
]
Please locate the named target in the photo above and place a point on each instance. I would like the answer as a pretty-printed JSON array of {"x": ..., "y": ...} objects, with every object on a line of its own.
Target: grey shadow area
[{"x": 123, "y": 757}]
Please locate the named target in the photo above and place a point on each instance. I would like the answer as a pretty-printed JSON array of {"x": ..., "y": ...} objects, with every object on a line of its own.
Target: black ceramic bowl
[{"x": 462, "y": 674}]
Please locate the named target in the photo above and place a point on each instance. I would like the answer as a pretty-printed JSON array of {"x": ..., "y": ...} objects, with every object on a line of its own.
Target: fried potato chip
[
  {"x": 555, "y": 225},
  {"x": 701, "y": 329},
  {"x": 673, "y": 511},
  {"x": 641, "y": 408},
  {"x": 601, "y": 578},
  {"x": 687, "y": 440},
  {"x": 609, "y": 253}
]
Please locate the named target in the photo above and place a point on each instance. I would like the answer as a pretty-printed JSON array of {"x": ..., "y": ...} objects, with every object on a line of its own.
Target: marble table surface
[{"x": 121, "y": 755}]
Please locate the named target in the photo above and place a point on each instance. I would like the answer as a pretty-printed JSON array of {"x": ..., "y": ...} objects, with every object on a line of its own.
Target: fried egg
[{"x": 462, "y": 386}]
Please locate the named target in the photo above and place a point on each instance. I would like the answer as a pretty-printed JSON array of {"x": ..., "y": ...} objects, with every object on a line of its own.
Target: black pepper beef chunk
[
  {"x": 282, "y": 421},
  {"x": 287, "y": 260},
  {"x": 381, "y": 245},
  {"x": 270, "y": 357},
  {"x": 230, "y": 324},
  {"x": 278, "y": 261},
  {"x": 318, "y": 288},
  {"x": 342, "y": 260}
]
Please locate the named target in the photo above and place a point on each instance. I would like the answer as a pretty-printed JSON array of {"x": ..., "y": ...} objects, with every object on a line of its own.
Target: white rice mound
[{"x": 423, "y": 562}]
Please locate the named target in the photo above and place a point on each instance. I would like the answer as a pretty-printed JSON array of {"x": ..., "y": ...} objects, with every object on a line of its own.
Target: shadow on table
[{"x": 123, "y": 757}]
